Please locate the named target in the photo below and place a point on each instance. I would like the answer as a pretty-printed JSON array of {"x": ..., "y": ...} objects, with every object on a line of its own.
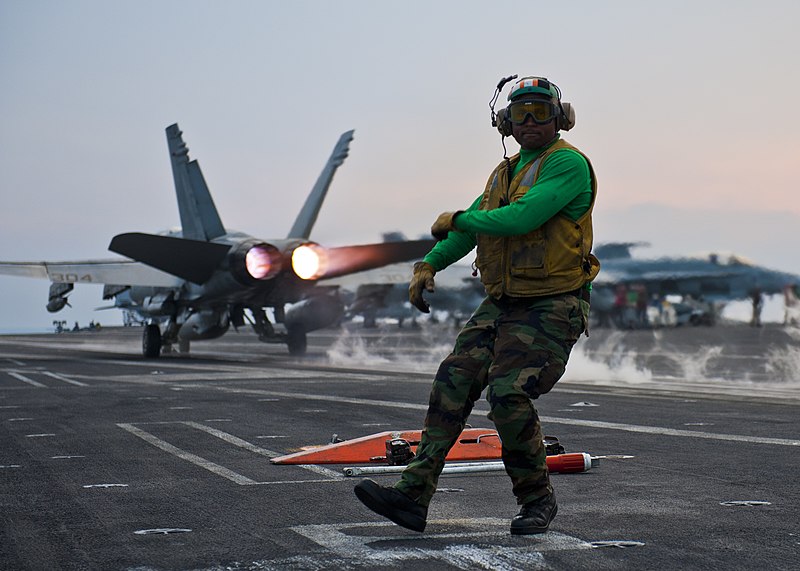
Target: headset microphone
[
  {"x": 492, "y": 101},
  {"x": 505, "y": 80},
  {"x": 497, "y": 91}
]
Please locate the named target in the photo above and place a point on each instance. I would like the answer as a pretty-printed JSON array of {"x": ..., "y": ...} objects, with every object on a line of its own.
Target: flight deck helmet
[
  {"x": 539, "y": 85},
  {"x": 565, "y": 115}
]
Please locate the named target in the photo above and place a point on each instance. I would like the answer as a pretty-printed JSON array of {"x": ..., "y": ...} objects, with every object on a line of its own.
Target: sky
[{"x": 687, "y": 109}]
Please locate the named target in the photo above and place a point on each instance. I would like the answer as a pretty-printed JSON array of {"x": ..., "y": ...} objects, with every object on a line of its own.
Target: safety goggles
[{"x": 541, "y": 111}]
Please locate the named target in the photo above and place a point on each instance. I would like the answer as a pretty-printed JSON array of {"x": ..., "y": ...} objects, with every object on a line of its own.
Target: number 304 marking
[{"x": 69, "y": 278}]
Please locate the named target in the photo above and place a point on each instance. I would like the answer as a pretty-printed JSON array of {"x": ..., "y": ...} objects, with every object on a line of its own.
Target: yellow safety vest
[{"x": 554, "y": 258}]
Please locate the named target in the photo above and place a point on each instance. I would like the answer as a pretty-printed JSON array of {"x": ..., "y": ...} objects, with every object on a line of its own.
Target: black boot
[
  {"x": 393, "y": 504},
  {"x": 535, "y": 516}
]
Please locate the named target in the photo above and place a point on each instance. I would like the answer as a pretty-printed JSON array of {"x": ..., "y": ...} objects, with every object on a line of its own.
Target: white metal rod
[{"x": 466, "y": 467}]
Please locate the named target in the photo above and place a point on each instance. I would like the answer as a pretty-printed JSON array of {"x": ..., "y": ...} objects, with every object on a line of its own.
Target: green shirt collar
[{"x": 528, "y": 155}]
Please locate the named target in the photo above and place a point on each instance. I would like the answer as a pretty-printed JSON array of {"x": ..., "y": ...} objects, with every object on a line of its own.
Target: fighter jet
[
  {"x": 715, "y": 276},
  {"x": 195, "y": 283},
  {"x": 705, "y": 282}
]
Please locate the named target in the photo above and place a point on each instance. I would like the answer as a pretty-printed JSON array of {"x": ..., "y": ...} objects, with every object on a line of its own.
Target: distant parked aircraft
[
  {"x": 704, "y": 283},
  {"x": 701, "y": 282}
]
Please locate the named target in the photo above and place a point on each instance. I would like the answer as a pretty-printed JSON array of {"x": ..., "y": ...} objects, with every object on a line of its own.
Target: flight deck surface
[{"x": 111, "y": 461}]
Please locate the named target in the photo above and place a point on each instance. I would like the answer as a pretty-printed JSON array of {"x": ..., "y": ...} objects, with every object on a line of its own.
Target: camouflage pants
[{"x": 519, "y": 350}]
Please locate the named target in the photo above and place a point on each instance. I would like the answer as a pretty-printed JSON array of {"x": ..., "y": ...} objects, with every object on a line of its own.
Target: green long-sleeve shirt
[{"x": 564, "y": 186}]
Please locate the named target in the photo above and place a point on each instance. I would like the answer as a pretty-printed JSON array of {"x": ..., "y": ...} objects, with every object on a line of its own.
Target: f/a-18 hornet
[{"x": 194, "y": 283}]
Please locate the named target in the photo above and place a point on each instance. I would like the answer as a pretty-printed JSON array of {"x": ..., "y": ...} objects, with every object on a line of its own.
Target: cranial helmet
[
  {"x": 533, "y": 85},
  {"x": 538, "y": 85}
]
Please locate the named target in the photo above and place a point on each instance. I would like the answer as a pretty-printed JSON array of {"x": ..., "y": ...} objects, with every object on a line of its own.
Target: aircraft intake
[{"x": 159, "y": 304}]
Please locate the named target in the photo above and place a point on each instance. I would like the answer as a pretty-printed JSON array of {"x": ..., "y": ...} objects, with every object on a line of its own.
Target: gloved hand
[
  {"x": 422, "y": 279},
  {"x": 444, "y": 224}
]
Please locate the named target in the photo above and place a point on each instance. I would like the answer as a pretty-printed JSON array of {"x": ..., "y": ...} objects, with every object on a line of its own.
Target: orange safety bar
[{"x": 473, "y": 444}]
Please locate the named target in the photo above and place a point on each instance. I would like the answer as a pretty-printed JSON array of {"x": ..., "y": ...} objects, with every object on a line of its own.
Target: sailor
[
  {"x": 533, "y": 229},
  {"x": 757, "y": 299}
]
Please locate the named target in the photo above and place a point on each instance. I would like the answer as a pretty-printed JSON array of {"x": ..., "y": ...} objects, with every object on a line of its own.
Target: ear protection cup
[
  {"x": 567, "y": 119},
  {"x": 503, "y": 124}
]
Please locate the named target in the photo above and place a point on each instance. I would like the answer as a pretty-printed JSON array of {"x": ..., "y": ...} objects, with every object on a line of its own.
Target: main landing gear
[
  {"x": 151, "y": 341},
  {"x": 295, "y": 336},
  {"x": 296, "y": 341}
]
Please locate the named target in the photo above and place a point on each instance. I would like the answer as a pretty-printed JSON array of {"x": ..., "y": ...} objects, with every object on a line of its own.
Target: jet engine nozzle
[
  {"x": 253, "y": 261},
  {"x": 309, "y": 261}
]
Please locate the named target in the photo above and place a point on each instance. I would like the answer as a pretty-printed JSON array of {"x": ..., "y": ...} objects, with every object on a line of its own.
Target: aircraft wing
[
  {"x": 117, "y": 272},
  {"x": 613, "y": 277}
]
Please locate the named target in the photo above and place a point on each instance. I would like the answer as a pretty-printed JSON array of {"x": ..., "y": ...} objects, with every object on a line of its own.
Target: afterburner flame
[
  {"x": 258, "y": 262},
  {"x": 309, "y": 261}
]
